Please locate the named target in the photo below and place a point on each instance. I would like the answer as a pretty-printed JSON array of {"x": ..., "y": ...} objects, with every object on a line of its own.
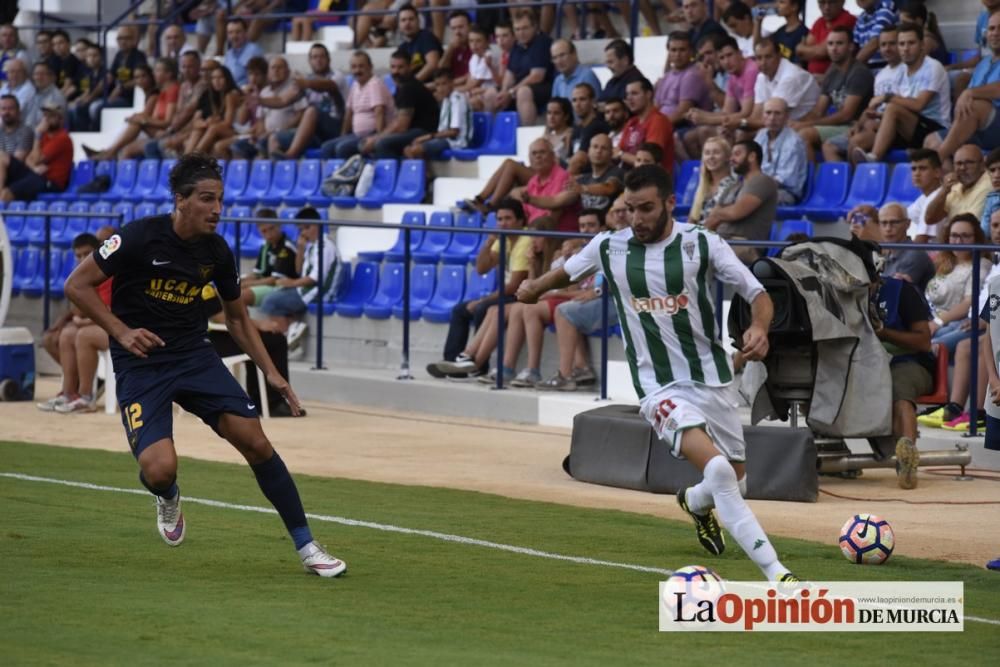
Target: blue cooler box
[{"x": 17, "y": 365}]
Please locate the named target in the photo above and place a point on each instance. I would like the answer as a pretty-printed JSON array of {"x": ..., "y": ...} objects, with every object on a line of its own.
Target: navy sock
[
  {"x": 168, "y": 493},
  {"x": 279, "y": 487}
]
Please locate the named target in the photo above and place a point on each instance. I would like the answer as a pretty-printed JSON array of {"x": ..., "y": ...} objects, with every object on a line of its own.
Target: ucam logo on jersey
[
  {"x": 831, "y": 606},
  {"x": 668, "y": 305}
]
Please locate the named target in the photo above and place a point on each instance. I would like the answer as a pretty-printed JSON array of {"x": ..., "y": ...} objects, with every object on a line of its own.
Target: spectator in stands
[
  {"x": 526, "y": 323},
  {"x": 716, "y": 180},
  {"x": 915, "y": 11},
  {"x": 217, "y": 112},
  {"x": 460, "y": 359},
  {"x": 203, "y": 16},
  {"x": 91, "y": 84},
  {"x": 43, "y": 49},
  {"x": 588, "y": 124},
  {"x": 992, "y": 203},
  {"x": 962, "y": 70},
  {"x": 75, "y": 343},
  {"x": 196, "y": 78},
  {"x": 9, "y": 48},
  {"x": 527, "y": 82},
  {"x": 323, "y": 119},
  {"x": 847, "y": 86},
  {"x": 648, "y": 153},
  {"x": 615, "y": 115},
  {"x": 419, "y": 44},
  {"x": 646, "y": 124},
  {"x": 739, "y": 21},
  {"x": 174, "y": 43},
  {"x": 281, "y": 105},
  {"x": 458, "y": 53},
  {"x": 548, "y": 179},
  {"x": 416, "y": 113},
  {"x": 559, "y": 127},
  {"x": 964, "y": 190},
  {"x": 790, "y": 35},
  {"x": 619, "y": 59},
  {"x": 162, "y": 91},
  {"x": 503, "y": 35},
  {"x": 977, "y": 109},
  {"x": 277, "y": 259},
  {"x": 484, "y": 77},
  {"x": 698, "y": 21},
  {"x": 750, "y": 214},
  {"x": 738, "y": 105},
  {"x": 47, "y": 166},
  {"x": 925, "y": 171},
  {"x": 371, "y": 29},
  {"x": 875, "y": 16},
  {"x": 369, "y": 109},
  {"x": 46, "y": 92},
  {"x": 242, "y": 11},
  {"x": 80, "y": 47},
  {"x": 682, "y": 86},
  {"x": 17, "y": 83},
  {"x": 67, "y": 66},
  {"x": 912, "y": 265},
  {"x": 241, "y": 49},
  {"x": 862, "y": 217},
  {"x": 570, "y": 72},
  {"x": 454, "y": 128},
  {"x": 812, "y": 50},
  {"x": 921, "y": 107},
  {"x": 16, "y": 138},
  {"x": 121, "y": 76},
  {"x": 780, "y": 78},
  {"x": 711, "y": 71},
  {"x": 288, "y": 304}
]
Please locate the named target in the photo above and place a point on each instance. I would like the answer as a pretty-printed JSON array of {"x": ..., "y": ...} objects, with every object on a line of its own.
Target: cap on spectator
[{"x": 52, "y": 105}]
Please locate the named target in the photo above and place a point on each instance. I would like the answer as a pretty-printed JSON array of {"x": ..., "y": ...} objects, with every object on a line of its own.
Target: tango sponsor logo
[{"x": 666, "y": 305}]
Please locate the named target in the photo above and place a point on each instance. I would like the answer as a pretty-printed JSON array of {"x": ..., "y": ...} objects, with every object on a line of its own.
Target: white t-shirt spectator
[
  {"x": 791, "y": 83},
  {"x": 918, "y": 220},
  {"x": 481, "y": 69},
  {"x": 887, "y": 79},
  {"x": 456, "y": 115},
  {"x": 280, "y": 118},
  {"x": 931, "y": 76},
  {"x": 310, "y": 269}
]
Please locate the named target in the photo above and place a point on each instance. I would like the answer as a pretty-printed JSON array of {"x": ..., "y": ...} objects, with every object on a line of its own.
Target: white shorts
[{"x": 684, "y": 405}]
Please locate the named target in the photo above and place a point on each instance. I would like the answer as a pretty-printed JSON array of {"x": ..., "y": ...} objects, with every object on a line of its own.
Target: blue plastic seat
[
  {"x": 448, "y": 293},
  {"x": 901, "y": 187},
  {"x": 166, "y": 208},
  {"x": 382, "y": 185},
  {"x": 480, "y": 135},
  {"x": 868, "y": 185},
  {"x": 390, "y": 292},
  {"x": 396, "y": 252},
  {"x": 146, "y": 179},
  {"x": 251, "y": 241},
  {"x": 57, "y": 280},
  {"x": 227, "y": 231},
  {"x": 258, "y": 182},
  {"x": 102, "y": 168},
  {"x": 33, "y": 231},
  {"x": 125, "y": 211},
  {"x": 60, "y": 235},
  {"x": 788, "y": 212},
  {"x": 462, "y": 246},
  {"x": 76, "y": 225},
  {"x": 479, "y": 285},
  {"x": 126, "y": 176},
  {"x": 146, "y": 209},
  {"x": 104, "y": 208},
  {"x": 320, "y": 200},
  {"x": 490, "y": 222},
  {"x": 35, "y": 287},
  {"x": 27, "y": 265},
  {"x": 14, "y": 220},
  {"x": 503, "y": 135},
  {"x": 411, "y": 184},
  {"x": 422, "y": 280},
  {"x": 435, "y": 240},
  {"x": 282, "y": 183},
  {"x": 686, "y": 186},
  {"x": 162, "y": 190},
  {"x": 828, "y": 194},
  {"x": 897, "y": 155},
  {"x": 237, "y": 173},
  {"x": 83, "y": 173},
  {"x": 781, "y": 232},
  {"x": 307, "y": 181},
  {"x": 363, "y": 286}
]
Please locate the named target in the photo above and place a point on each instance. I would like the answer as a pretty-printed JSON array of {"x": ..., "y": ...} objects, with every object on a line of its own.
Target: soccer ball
[
  {"x": 697, "y": 583},
  {"x": 867, "y": 539}
]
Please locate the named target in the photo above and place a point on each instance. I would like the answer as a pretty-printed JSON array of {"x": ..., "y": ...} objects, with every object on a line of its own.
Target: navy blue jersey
[{"x": 157, "y": 285}]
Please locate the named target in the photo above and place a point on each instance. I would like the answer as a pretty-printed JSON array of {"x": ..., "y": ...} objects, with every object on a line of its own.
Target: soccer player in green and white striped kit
[{"x": 661, "y": 274}]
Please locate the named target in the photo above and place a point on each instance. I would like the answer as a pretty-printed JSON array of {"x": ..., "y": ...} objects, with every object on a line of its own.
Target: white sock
[
  {"x": 743, "y": 485},
  {"x": 699, "y": 497},
  {"x": 736, "y": 517}
]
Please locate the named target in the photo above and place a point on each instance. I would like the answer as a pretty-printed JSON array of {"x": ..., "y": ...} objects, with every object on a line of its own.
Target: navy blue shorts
[
  {"x": 992, "y": 433},
  {"x": 199, "y": 383}
]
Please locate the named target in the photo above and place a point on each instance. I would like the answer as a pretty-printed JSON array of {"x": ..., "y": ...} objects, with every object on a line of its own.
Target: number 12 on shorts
[{"x": 134, "y": 416}]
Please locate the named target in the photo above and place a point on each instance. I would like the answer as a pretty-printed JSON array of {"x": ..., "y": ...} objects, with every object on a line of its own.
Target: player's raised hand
[
  {"x": 281, "y": 385},
  {"x": 755, "y": 343},
  {"x": 140, "y": 341}
]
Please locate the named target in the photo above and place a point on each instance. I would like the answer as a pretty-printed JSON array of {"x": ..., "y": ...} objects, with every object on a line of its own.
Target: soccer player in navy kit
[{"x": 162, "y": 355}]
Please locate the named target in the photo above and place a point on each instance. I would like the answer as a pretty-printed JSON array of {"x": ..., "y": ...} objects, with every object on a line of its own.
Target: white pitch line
[{"x": 388, "y": 528}]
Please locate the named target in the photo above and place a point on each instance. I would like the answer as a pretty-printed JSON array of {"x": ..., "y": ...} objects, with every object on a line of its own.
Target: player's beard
[{"x": 656, "y": 233}]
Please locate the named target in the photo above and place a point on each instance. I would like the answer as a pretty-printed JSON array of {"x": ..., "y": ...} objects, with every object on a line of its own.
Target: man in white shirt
[
  {"x": 454, "y": 124},
  {"x": 779, "y": 77},
  {"x": 925, "y": 170}
]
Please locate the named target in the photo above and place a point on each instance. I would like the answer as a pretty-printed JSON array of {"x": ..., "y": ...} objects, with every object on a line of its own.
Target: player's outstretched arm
[
  {"x": 81, "y": 289},
  {"x": 755, "y": 341},
  {"x": 529, "y": 290},
  {"x": 248, "y": 338}
]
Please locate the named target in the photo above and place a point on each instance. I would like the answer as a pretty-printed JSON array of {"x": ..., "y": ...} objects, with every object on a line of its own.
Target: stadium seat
[
  {"x": 787, "y": 212},
  {"x": 101, "y": 168},
  {"x": 76, "y": 225},
  {"x": 104, "y": 208},
  {"x": 146, "y": 179},
  {"x": 282, "y": 183},
  {"x": 126, "y": 176},
  {"x": 382, "y": 185},
  {"x": 307, "y": 182},
  {"x": 258, "y": 182},
  {"x": 251, "y": 241},
  {"x": 364, "y": 284},
  {"x": 490, "y": 222},
  {"x": 26, "y": 267},
  {"x": 390, "y": 292},
  {"x": 901, "y": 187},
  {"x": 868, "y": 185},
  {"x": 14, "y": 221},
  {"x": 60, "y": 235},
  {"x": 409, "y": 218},
  {"x": 503, "y": 135},
  {"x": 125, "y": 211},
  {"x": 411, "y": 184},
  {"x": 422, "y": 279},
  {"x": 237, "y": 172},
  {"x": 57, "y": 282},
  {"x": 35, "y": 287},
  {"x": 939, "y": 395},
  {"x": 479, "y": 285},
  {"x": 480, "y": 135},
  {"x": 227, "y": 230},
  {"x": 33, "y": 231},
  {"x": 686, "y": 186},
  {"x": 435, "y": 240},
  {"x": 320, "y": 200},
  {"x": 83, "y": 172},
  {"x": 828, "y": 193},
  {"x": 897, "y": 155},
  {"x": 343, "y": 288},
  {"x": 449, "y": 292},
  {"x": 146, "y": 209},
  {"x": 162, "y": 190},
  {"x": 462, "y": 246},
  {"x": 166, "y": 208},
  {"x": 781, "y": 231}
]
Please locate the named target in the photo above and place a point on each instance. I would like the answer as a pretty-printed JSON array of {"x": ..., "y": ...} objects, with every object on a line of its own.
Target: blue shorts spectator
[
  {"x": 284, "y": 302},
  {"x": 586, "y": 315}
]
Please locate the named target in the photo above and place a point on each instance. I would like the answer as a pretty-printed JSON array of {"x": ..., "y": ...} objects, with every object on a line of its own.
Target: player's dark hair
[
  {"x": 725, "y": 41},
  {"x": 408, "y": 8},
  {"x": 927, "y": 154},
  {"x": 268, "y": 213},
  {"x": 621, "y": 49},
  {"x": 190, "y": 169},
  {"x": 86, "y": 240},
  {"x": 752, "y": 147},
  {"x": 653, "y": 149},
  {"x": 680, "y": 36},
  {"x": 308, "y": 213},
  {"x": 644, "y": 84},
  {"x": 597, "y": 212},
  {"x": 917, "y": 29},
  {"x": 650, "y": 175},
  {"x": 400, "y": 54},
  {"x": 512, "y": 205},
  {"x": 257, "y": 64},
  {"x": 736, "y": 10}
]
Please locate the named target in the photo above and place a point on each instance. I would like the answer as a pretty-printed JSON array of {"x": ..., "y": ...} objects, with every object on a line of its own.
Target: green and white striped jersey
[{"x": 665, "y": 297}]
